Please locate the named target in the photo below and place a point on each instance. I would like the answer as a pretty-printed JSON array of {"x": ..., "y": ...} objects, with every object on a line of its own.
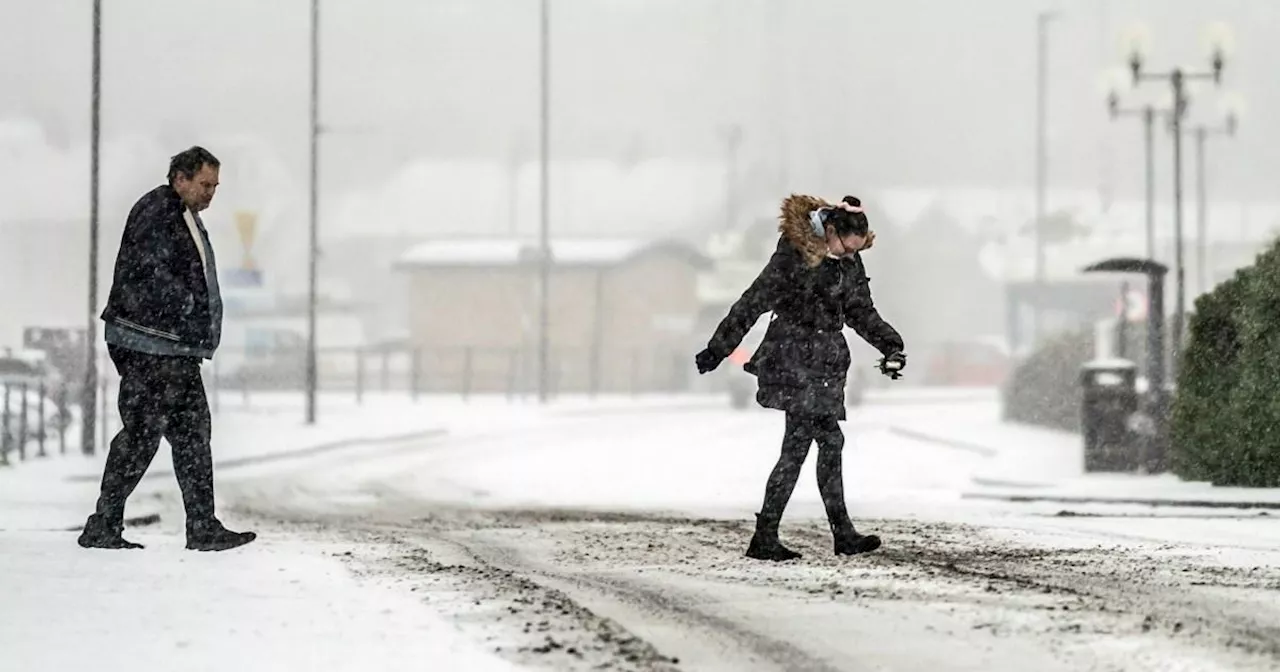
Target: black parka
[{"x": 803, "y": 362}]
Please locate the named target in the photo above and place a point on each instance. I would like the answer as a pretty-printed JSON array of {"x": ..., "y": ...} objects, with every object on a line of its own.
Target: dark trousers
[
  {"x": 160, "y": 396},
  {"x": 802, "y": 431}
]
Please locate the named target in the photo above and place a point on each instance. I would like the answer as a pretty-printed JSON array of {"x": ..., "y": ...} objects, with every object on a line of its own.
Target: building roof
[{"x": 509, "y": 252}]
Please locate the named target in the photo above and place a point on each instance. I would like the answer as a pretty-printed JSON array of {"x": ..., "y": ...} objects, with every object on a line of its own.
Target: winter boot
[
  {"x": 213, "y": 536},
  {"x": 98, "y": 533},
  {"x": 765, "y": 544},
  {"x": 849, "y": 542}
]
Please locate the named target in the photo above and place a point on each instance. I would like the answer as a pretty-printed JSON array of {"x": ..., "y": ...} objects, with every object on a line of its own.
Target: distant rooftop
[{"x": 506, "y": 252}]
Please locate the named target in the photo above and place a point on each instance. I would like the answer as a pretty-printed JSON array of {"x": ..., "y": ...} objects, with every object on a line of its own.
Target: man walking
[{"x": 163, "y": 316}]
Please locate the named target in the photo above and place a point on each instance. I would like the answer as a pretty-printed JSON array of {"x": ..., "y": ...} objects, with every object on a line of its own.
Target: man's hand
[
  {"x": 706, "y": 361},
  {"x": 893, "y": 364}
]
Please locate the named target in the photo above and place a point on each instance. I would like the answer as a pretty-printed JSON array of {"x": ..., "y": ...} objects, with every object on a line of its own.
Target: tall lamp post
[
  {"x": 1148, "y": 113},
  {"x": 313, "y": 215},
  {"x": 544, "y": 238},
  {"x": 1178, "y": 79},
  {"x": 1042, "y": 158},
  {"x": 89, "y": 395},
  {"x": 1201, "y": 133}
]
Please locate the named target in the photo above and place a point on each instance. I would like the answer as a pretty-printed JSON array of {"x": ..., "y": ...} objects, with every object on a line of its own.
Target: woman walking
[{"x": 815, "y": 284}]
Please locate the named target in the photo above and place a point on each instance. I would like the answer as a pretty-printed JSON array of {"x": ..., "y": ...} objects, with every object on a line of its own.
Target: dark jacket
[
  {"x": 803, "y": 362},
  {"x": 160, "y": 287}
]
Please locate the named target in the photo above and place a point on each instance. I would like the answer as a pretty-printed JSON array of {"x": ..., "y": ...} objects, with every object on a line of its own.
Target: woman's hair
[{"x": 848, "y": 223}]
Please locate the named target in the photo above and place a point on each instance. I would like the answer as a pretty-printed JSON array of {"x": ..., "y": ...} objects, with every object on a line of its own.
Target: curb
[
  {"x": 1139, "y": 501},
  {"x": 312, "y": 451},
  {"x": 990, "y": 482},
  {"x": 950, "y": 443}
]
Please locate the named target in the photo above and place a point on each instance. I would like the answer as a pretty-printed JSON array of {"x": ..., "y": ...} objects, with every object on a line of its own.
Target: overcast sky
[{"x": 911, "y": 92}]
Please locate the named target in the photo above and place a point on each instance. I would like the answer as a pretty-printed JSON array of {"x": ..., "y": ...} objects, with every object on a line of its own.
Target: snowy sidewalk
[
  {"x": 279, "y": 604},
  {"x": 1023, "y": 463}
]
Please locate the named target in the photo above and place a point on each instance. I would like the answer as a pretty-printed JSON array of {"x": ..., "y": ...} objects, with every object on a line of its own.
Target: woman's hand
[{"x": 706, "y": 361}]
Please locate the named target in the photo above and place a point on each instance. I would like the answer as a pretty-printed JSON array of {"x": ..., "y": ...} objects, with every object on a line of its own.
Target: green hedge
[{"x": 1226, "y": 413}]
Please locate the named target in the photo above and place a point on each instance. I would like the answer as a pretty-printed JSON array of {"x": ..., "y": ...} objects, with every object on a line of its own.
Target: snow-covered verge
[{"x": 280, "y": 604}]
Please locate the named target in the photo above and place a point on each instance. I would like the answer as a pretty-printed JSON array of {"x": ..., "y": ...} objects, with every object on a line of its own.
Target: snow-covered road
[{"x": 577, "y": 540}]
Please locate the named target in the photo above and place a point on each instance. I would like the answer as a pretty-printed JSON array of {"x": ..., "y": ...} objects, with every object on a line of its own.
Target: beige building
[{"x": 621, "y": 314}]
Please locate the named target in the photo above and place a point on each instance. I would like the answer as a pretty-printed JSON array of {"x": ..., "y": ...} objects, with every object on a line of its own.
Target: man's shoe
[
  {"x": 215, "y": 537},
  {"x": 97, "y": 534}
]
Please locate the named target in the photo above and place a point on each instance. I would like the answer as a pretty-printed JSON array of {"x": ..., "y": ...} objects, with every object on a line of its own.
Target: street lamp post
[
  {"x": 1178, "y": 79},
  {"x": 1201, "y": 133},
  {"x": 313, "y": 201},
  {"x": 1042, "y": 158},
  {"x": 544, "y": 242},
  {"x": 89, "y": 395},
  {"x": 1148, "y": 113}
]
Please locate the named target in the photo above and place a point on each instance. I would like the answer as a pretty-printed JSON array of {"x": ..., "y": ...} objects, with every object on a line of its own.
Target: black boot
[
  {"x": 765, "y": 544},
  {"x": 98, "y": 533},
  {"x": 849, "y": 542},
  {"x": 213, "y": 536}
]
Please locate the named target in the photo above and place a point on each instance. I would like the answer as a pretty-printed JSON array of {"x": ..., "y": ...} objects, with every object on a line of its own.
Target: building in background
[{"x": 622, "y": 314}]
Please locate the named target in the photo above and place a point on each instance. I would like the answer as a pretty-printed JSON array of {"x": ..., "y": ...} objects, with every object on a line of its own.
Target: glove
[
  {"x": 893, "y": 364},
  {"x": 707, "y": 361}
]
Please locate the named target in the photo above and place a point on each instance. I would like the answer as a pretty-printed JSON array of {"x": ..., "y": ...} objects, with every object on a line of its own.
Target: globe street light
[{"x": 1218, "y": 41}]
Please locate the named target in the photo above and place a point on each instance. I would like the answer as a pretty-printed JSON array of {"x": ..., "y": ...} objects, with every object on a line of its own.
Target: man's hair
[{"x": 188, "y": 162}]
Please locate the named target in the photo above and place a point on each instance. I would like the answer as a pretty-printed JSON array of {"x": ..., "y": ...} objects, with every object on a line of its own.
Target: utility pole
[
  {"x": 1202, "y": 282},
  {"x": 1149, "y": 113},
  {"x": 313, "y": 247},
  {"x": 1202, "y": 133},
  {"x": 1179, "y": 317},
  {"x": 544, "y": 216},
  {"x": 89, "y": 395},
  {"x": 1149, "y": 150},
  {"x": 1042, "y": 163}
]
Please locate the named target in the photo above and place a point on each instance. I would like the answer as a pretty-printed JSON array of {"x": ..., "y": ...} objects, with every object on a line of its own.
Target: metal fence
[
  {"x": 39, "y": 417},
  {"x": 462, "y": 371},
  {"x": 34, "y": 419}
]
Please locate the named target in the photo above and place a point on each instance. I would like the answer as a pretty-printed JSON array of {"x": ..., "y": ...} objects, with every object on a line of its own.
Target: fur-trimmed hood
[{"x": 793, "y": 224}]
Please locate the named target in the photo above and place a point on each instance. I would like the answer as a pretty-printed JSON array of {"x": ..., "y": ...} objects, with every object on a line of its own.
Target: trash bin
[{"x": 1109, "y": 399}]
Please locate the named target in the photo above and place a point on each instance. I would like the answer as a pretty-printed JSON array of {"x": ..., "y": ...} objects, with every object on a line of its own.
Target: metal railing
[{"x": 33, "y": 414}]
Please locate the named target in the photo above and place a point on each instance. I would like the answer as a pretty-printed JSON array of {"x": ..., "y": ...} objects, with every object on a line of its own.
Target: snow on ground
[
  {"x": 643, "y": 515},
  {"x": 907, "y": 459},
  {"x": 281, "y": 605}
]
